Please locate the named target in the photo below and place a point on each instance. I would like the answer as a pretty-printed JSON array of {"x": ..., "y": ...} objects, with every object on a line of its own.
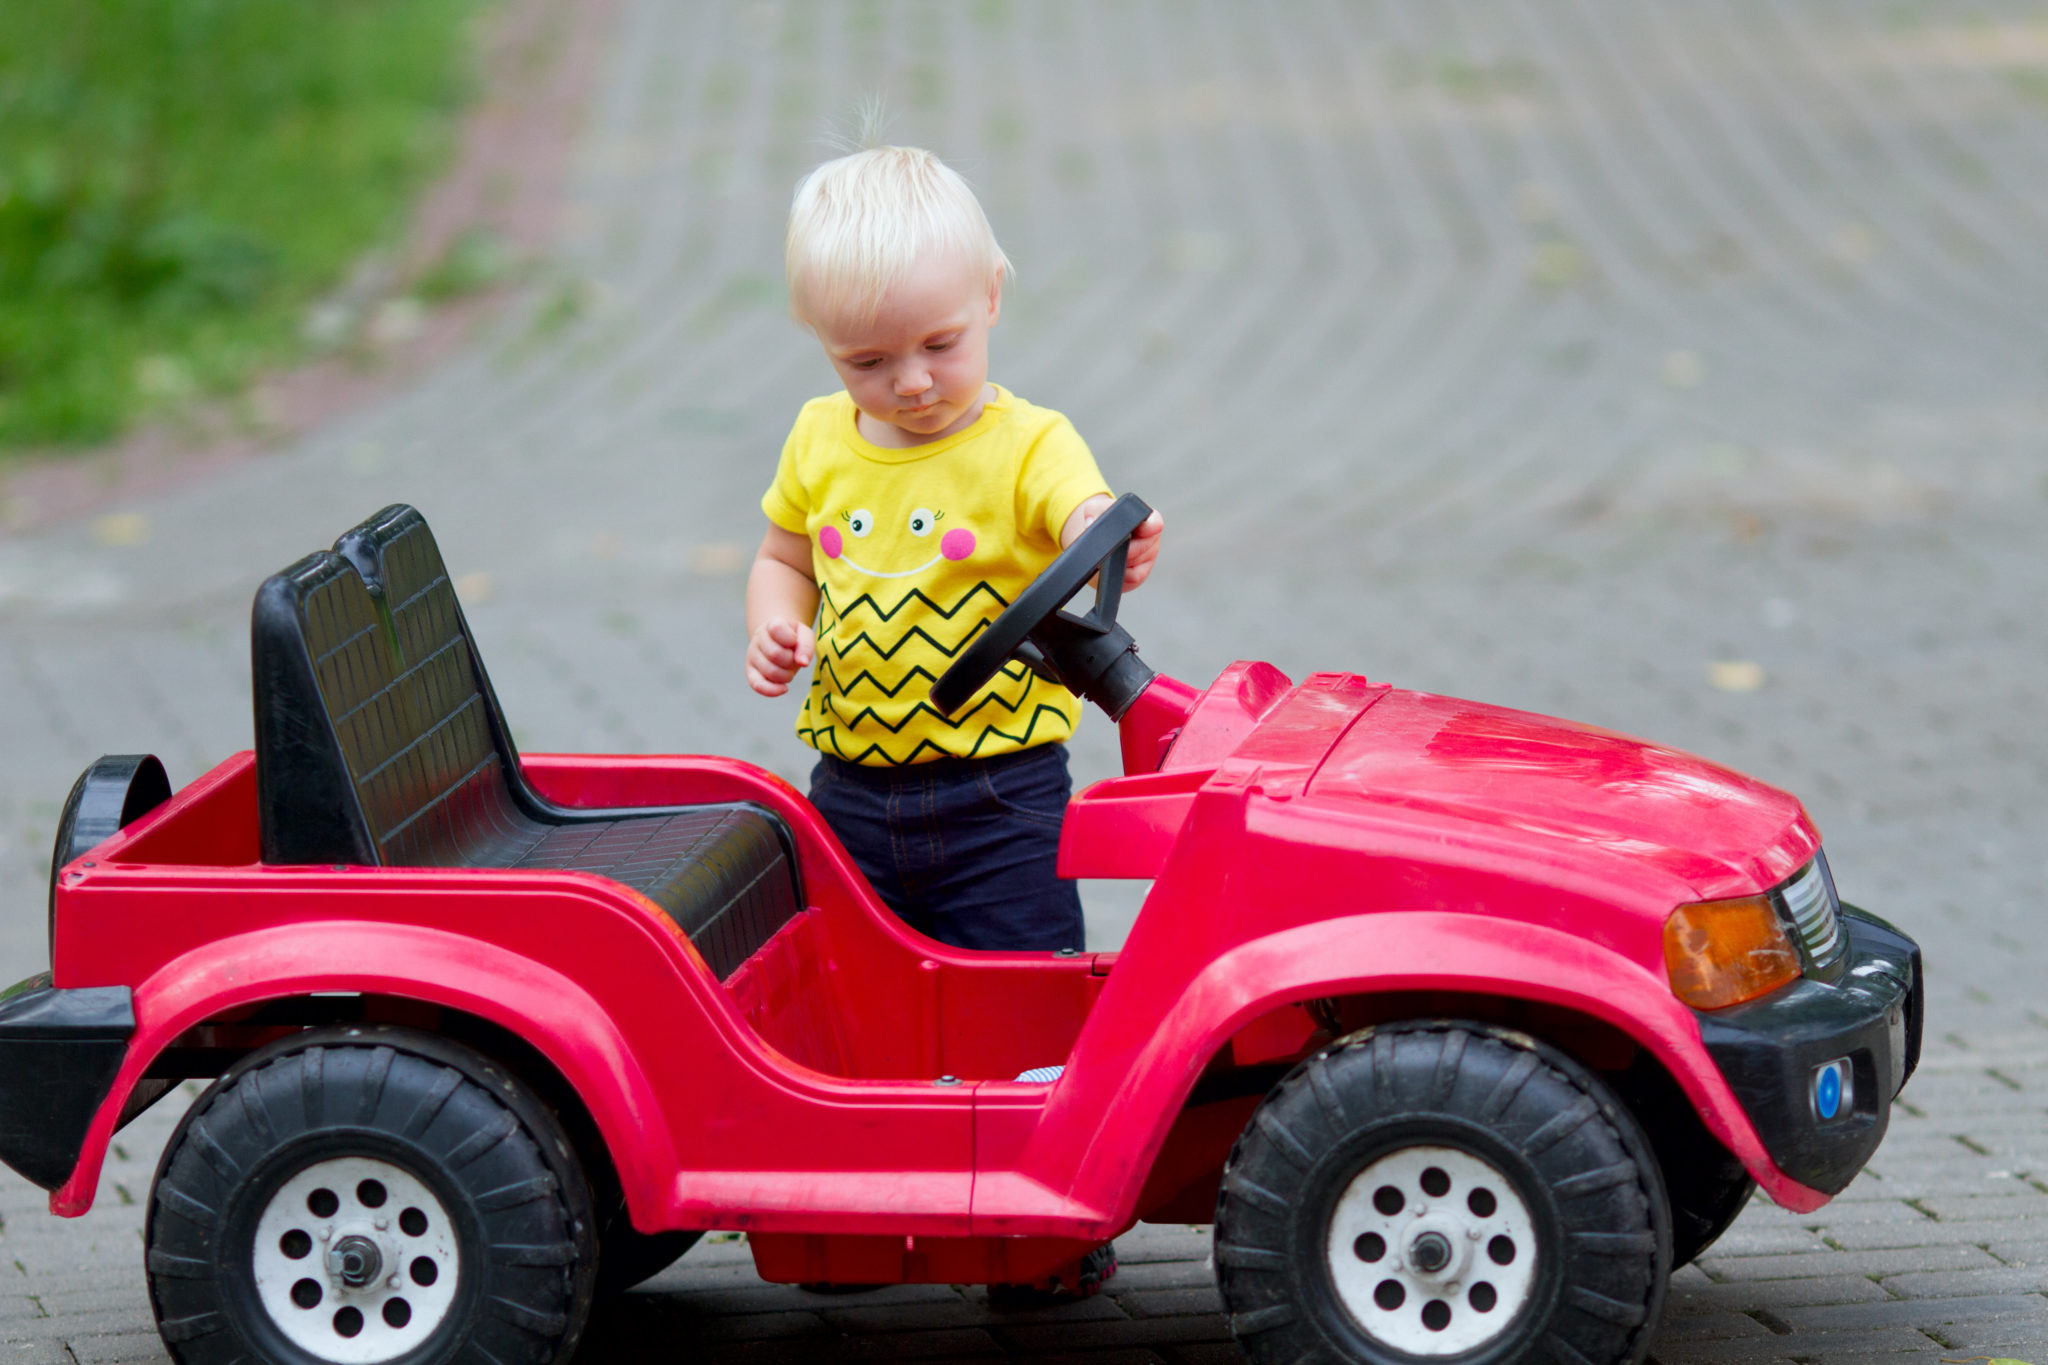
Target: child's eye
[
  {"x": 860, "y": 521},
  {"x": 922, "y": 521},
  {"x": 867, "y": 364},
  {"x": 940, "y": 346}
]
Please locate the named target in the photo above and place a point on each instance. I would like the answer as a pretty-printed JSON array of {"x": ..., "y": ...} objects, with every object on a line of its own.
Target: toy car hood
[{"x": 1442, "y": 759}]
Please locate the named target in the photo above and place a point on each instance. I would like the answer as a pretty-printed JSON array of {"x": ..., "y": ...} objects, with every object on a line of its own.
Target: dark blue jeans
[{"x": 962, "y": 849}]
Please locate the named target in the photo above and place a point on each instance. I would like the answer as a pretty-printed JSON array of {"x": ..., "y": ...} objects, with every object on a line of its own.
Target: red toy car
[{"x": 1463, "y": 1025}]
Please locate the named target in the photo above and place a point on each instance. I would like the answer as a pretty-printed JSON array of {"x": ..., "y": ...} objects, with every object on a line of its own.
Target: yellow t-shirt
[{"x": 914, "y": 551}]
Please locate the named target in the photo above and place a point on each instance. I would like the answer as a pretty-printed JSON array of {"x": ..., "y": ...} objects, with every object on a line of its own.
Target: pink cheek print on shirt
[
  {"x": 829, "y": 542},
  {"x": 957, "y": 543}
]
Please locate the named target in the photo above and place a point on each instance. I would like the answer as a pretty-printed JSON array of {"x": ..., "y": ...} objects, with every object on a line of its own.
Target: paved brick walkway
[{"x": 1575, "y": 356}]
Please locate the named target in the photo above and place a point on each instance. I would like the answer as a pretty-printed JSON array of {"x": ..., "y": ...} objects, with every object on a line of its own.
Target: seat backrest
[
  {"x": 474, "y": 791},
  {"x": 377, "y": 738},
  {"x": 323, "y": 664},
  {"x": 379, "y": 741}
]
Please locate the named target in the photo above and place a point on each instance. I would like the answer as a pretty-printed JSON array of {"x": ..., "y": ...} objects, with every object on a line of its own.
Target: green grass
[{"x": 180, "y": 179}]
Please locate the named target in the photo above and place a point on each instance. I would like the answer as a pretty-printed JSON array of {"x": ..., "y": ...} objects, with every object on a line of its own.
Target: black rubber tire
[
  {"x": 627, "y": 1256},
  {"x": 1710, "y": 1209},
  {"x": 1706, "y": 1186},
  {"x": 1575, "y": 1156},
  {"x": 495, "y": 1156}
]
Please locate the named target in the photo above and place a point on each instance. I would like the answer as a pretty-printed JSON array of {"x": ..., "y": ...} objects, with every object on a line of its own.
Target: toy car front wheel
[
  {"x": 365, "y": 1195},
  {"x": 1442, "y": 1191}
]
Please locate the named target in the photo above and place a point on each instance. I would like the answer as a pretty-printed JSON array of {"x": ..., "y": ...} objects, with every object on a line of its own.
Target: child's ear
[{"x": 995, "y": 296}]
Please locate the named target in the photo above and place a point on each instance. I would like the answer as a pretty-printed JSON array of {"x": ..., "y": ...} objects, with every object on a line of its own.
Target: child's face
[{"x": 920, "y": 367}]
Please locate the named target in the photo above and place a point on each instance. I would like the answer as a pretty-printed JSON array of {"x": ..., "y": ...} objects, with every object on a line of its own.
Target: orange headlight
[{"x": 1722, "y": 953}]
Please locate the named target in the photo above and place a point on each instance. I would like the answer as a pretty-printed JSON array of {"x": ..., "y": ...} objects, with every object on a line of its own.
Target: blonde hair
[{"x": 859, "y": 223}]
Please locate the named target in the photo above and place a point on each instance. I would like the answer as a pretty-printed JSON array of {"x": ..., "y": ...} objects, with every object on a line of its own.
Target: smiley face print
[{"x": 898, "y": 547}]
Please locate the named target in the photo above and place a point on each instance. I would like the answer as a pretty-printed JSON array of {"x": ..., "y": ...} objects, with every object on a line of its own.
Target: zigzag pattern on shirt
[
  {"x": 831, "y": 616},
  {"x": 1012, "y": 670},
  {"x": 844, "y": 686},
  {"x": 948, "y": 613},
  {"x": 826, "y": 733},
  {"x": 925, "y": 708},
  {"x": 827, "y": 725},
  {"x": 914, "y": 633}
]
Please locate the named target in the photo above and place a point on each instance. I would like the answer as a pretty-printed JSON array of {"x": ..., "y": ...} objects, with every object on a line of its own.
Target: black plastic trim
[
  {"x": 108, "y": 797},
  {"x": 59, "y": 1053},
  {"x": 1769, "y": 1048}
]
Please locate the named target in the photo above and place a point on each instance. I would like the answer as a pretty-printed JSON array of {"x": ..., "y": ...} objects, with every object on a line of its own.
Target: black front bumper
[
  {"x": 59, "y": 1053},
  {"x": 1770, "y": 1050}
]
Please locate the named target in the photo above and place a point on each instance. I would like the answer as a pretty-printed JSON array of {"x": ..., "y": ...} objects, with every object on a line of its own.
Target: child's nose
[{"x": 910, "y": 382}]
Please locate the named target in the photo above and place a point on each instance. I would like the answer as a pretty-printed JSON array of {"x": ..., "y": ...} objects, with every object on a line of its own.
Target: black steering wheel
[{"x": 1090, "y": 654}]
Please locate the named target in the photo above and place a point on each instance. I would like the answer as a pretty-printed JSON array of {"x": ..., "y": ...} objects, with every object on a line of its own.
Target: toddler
[{"x": 906, "y": 512}]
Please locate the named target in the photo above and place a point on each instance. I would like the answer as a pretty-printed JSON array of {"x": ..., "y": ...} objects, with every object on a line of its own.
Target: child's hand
[
  {"x": 1144, "y": 541},
  {"x": 1144, "y": 550},
  {"x": 777, "y": 652}
]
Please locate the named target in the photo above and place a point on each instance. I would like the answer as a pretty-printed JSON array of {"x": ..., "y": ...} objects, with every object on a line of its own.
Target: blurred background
[{"x": 1676, "y": 368}]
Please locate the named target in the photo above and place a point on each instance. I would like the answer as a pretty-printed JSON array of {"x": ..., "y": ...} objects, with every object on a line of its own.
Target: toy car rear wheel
[
  {"x": 1442, "y": 1191},
  {"x": 363, "y": 1195}
]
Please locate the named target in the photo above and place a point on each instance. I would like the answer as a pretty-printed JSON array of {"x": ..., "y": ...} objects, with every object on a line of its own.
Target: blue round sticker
[{"x": 1827, "y": 1092}]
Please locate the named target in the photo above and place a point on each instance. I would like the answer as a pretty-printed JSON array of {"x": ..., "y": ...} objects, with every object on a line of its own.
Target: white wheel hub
[
  {"x": 1432, "y": 1251},
  {"x": 355, "y": 1260}
]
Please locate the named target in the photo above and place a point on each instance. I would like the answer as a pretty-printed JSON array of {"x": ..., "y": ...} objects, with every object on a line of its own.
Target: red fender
[
  {"x": 1134, "y": 1092},
  {"x": 531, "y": 999}
]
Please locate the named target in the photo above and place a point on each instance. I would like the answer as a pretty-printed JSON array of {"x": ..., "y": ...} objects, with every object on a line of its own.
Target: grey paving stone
[
  {"x": 54, "y": 1353},
  {"x": 1099, "y": 1305},
  {"x": 2034, "y": 1253},
  {"x": 2031, "y": 1308},
  {"x": 739, "y": 1291},
  {"x": 774, "y": 1352},
  {"x": 1162, "y": 1275},
  {"x": 1775, "y": 1295},
  {"x": 1943, "y": 1284},
  {"x": 1758, "y": 1238},
  {"x": 1922, "y": 1232},
  {"x": 1132, "y": 1332},
  {"x": 1166, "y": 1303},
  {"x": 1205, "y": 1353},
  {"x": 710, "y": 1274},
  {"x": 735, "y": 1297},
  {"x": 129, "y": 1297},
  {"x": 721, "y": 1249},
  {"x": 2015, "y": 1340},
  {"x": 960, "y": 1342},
  {"x": 1830, "y": 1218},
  {"x": 1710, "y": 1327},
  {"x": 1987, "y": 1207},
  {"x": 1945, "y": 1171},
  {"x": 754, "y": 1326},
  {"x": 116, "y": 1350},
  {"x": 64, "y": 1326},
  {"x": 1879, "y": 1343},
  {"x": 969, "y": 1310},
  {"x": 1150, "y": 1242},
  {"x": 1888, "y": 1262}
]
